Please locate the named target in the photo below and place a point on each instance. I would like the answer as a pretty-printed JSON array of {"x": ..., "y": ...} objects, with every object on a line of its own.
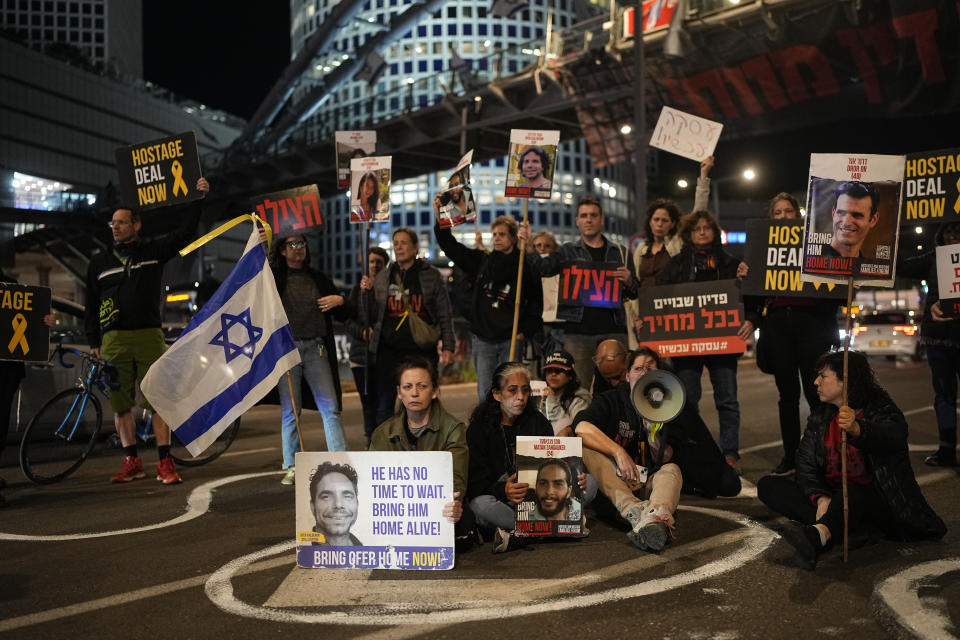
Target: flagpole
[
  {"x": 296, "y": 414},
  {"x": 364, "y": 315},
  {"x": 516, "y": 303}
]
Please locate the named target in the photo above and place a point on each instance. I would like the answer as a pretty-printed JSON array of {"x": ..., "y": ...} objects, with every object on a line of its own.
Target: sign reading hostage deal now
[
  {"x": 774, "y": 251},
  {"x": 23, "y": 334},
  {"x": 932, "y": 184},
  {"x": 589, "y": 284},
  {"x": 159, "y": 172},
  {"x": 691, "y": 319},
  {"x": 291, "y": 211}
]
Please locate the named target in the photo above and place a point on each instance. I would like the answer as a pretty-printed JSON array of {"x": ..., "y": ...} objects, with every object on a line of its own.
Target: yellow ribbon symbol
[
  {"x": 956, "y": 205},
  {"x": 19, "y": 335},
  {"x": 178, "y": 183}
]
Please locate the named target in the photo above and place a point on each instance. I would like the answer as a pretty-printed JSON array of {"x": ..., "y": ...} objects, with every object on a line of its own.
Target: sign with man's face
[
  {"x": 531, "y": 163},
  {"x": 374, "y": 510},
  {"x": 553, "y": 505},
  {"x": 853, "y": 215}
]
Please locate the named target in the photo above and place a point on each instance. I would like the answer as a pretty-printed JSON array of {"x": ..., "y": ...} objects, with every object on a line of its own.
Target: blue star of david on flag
[{"x": 222, "y": 339}]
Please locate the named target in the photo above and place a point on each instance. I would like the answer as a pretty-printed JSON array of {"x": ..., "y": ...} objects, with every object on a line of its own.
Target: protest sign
[
  {"x": 457, "y": 204},
  {"x": 932, "y": 189},
  {"x": 370, "y": 193},
  {"x": 685, "y": 134},
  {"x": 589, "y": 284},
  {"x": 374, "y": 510},
  {"x": 350, "y": 145},
  {"x": 533, "y": 156},
  {"x": 948, "y": 279},
  {"x": 159, "y": 172},
  {"x": 291, "y": 211},
  {"x": 774, "y": 250},
  {"x": 853, "y": 218},
  {"x": 24, "y": 336},
  {"x": 691, "y": 319},
  {"x": 553, "y": 505}
]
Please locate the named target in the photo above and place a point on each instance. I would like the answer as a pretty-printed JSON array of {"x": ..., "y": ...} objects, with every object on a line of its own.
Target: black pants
[
  {"x": 367, "y": 388},
  {"x": 795, "y": 338},
  {"x": 8, "y": 389},
  {"x": 784, "y": 496}
]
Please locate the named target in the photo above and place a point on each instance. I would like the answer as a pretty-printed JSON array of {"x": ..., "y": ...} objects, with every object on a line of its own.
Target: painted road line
[
  {"x": 243, "y": 453},
  {"x": 125, "y": 598},
  {"x": 899, "y": 594},
  {"x": 219, "y": 587},
  {"x": 198, "y": 503}
]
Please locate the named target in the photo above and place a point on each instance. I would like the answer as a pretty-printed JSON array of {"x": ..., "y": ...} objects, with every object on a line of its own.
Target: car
[{"x": 887, "y": 333}]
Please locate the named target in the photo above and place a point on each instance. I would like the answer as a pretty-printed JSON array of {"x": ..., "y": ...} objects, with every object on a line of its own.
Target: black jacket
[
  {"x": 682, "y": 267},
  {"x": 128, "y": 296},
  {"x": 883, "y": 441},
  {"x": 490, "y": 463},
  {"x": 494, "y": 289},
  {"x": 925, "y": 266}
]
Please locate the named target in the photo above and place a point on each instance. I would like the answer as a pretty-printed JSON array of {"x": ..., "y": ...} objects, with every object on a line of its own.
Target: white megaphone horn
[{"x": 659, "y": 396}]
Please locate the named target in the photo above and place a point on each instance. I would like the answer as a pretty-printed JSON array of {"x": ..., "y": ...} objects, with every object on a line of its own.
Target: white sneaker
[{"x": 291, "y": 477}]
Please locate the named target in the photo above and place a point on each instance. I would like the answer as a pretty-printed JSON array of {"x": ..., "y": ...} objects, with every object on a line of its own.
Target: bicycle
[{"x": 63, "y": 433}]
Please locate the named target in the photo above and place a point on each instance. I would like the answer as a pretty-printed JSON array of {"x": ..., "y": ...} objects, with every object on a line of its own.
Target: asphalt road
[{"x": 85, "y": 558}]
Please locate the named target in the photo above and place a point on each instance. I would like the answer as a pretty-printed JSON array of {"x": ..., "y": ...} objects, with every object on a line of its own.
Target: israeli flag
[{"x": 230, "y": 355}]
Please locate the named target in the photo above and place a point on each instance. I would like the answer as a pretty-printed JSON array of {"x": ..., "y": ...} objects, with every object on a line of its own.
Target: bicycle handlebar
[{"x": 62, "y": 350}]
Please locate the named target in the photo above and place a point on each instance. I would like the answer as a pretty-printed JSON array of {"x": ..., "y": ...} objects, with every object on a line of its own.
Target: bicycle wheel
[
  {"x": 182, "y": 457},
  {"x": 60, "y": 436}
]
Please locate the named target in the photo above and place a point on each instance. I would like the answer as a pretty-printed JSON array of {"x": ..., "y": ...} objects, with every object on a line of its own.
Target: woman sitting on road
[{"x": 563, "y": 398}]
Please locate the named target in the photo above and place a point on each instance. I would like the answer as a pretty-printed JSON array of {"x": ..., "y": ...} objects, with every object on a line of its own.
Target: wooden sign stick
[{"x": 516, "y": 303}]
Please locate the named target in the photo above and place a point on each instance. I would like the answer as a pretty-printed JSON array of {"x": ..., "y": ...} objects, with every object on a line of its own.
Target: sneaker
[
  {"x": 167, "y": 471},
  {"x": 634, "y": 514},
  {"x": 291, "y": 477},
  {"x": 808, "y": 547},
  {"x": 785, "y": 468},
  {"x": 735, "y": 464},
  {"x": 504, "y": 541},
  {"x": 942, "y": 458},
  {"x": 132, "y": 470},
  {"x": 650, "y": 537}
]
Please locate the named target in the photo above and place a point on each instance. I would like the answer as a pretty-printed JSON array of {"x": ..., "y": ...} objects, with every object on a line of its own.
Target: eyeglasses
[
  {"x": 119, "y": 223},
  {"x": 642, "y": 369},
  {"x": 296, "y": 244}
]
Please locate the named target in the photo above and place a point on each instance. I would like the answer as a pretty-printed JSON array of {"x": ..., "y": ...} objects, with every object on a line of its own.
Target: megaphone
[{"x": 659, "y": 396}]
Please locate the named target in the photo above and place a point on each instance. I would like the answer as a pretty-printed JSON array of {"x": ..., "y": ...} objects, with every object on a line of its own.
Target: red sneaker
[
  {"x": 167, "y": 471},
  {"x": 132, "y": 469}
]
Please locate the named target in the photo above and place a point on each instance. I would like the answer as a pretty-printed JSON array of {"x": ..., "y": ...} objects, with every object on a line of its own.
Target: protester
[
  {"x": 586, "y": 327},
  {"x": 494, "y": 277},
  {"x": 542, "y": 242},
  {"x": 610, "y": 361},
  {"x": 422, "y": 424},
  {"x": 123, "y": 323},
  {"x": 703, "y": 259},
  {"x": 308, "y": 295},
  {"x": 563, "y": 398},
  {"x": 409, "y": 287},
  {"x": 361, "y": 362},
  {"x": 617, "y": 442},
  {"x": 940, "y": 336},
  {"x": 793, "y": 332},
  {"x": 881, "y": 487}
]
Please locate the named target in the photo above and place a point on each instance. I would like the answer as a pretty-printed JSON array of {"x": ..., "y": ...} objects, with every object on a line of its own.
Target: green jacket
[{"x": 442, "y": 433}]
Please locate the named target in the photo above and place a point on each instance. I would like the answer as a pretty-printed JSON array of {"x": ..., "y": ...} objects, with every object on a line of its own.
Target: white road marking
[
  {"x": 247, "y": 452},
  {"x": 198, "y": 503},
  {"x": 219, "y": 587},
  {"x": 899, "y": 593}
]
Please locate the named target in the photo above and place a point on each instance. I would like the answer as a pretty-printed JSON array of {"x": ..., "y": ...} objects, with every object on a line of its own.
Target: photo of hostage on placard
[
  {"x": 334, "y": 504},
  {"x": 456, "y": 201},
  {"x": 851, "y": 229},
  {"x": 552, "y": 469},
  {"x": 532, "y": 159},
  {"x": 350, "y": 145},
  {"x": 370, "y": 191}
]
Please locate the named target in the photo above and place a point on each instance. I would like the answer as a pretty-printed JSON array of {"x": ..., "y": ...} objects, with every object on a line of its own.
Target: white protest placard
[
  {"x": 685, "y": 134},
  {"x": 374, "y": 510},
  {"x": 350, "y": 145},
  {"x": 370, "y": 189},
  {"x": 457, "y": 204},
  {"x": 948, "y": 279},
  {"x": 530, "y": 165}
]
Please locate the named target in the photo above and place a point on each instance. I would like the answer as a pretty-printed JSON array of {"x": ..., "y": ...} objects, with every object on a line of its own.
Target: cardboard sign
[
  {"x": 948, "y": 279},
  {"x": 370, "y": 190},
  {"x": 774, "y": 251},
  {"x": 932, "y": 189},
  {"x": 553, "y": 505},
  {"x": 853, "y": 218},
  {"x": 24, "y": 336},
  {"x": 457, "y": 204},
  {"x": 691, "y": 319},
  {"x": 293, "y": 211},
  {"x": 160, "y": 172},
  {"x": 350, "y": 145},
  {"x": 685, "y": 134},
  {"x": 589, "y": 284},
  {"x": 532, "y": 159},
  {"x": 374, "y": 510}
]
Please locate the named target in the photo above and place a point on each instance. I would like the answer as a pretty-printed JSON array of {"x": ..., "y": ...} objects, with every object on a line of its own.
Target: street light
[
  {"x": 683, "y": 184},
  {"x": 748, "y": 174}
]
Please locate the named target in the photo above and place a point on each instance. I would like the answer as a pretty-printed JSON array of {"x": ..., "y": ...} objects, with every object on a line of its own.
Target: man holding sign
[
  {"x": 588, "y": 325},
  {"x": 123, "y": 323}
]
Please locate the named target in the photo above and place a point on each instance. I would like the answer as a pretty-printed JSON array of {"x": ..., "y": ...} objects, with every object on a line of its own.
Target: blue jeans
[
  {"x": 723, "y": 377},
  {"x": 490, "y": 512},
  {"x": 316, "y": 368},
  {"x": 487, "y": 354},
  {"x": 945, "y": 368}
]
